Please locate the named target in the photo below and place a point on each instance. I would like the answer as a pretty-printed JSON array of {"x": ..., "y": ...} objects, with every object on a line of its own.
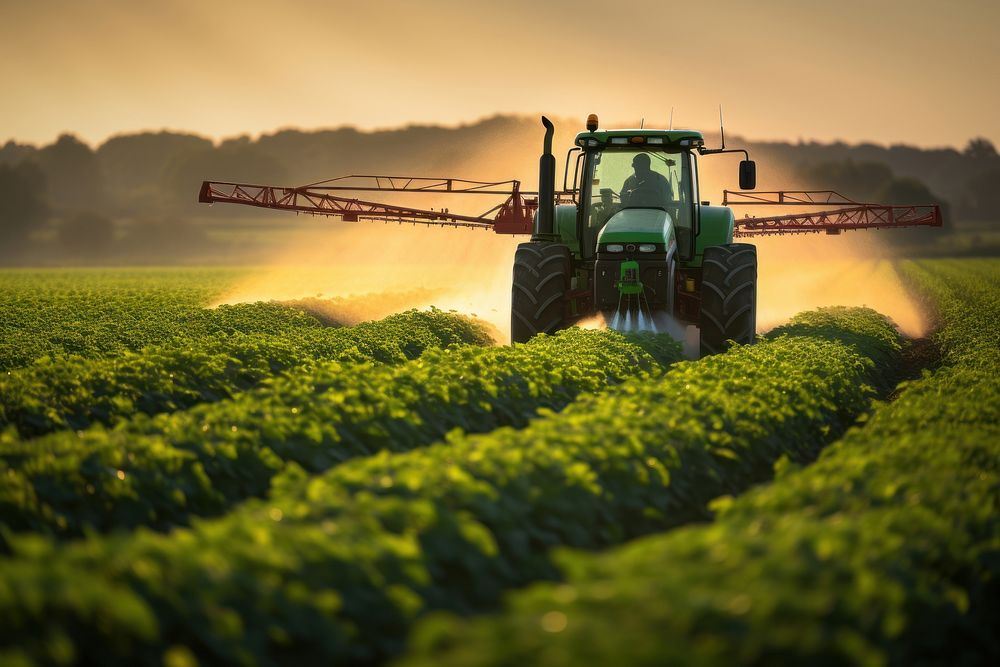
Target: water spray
[{"x": 633, "y": 312}]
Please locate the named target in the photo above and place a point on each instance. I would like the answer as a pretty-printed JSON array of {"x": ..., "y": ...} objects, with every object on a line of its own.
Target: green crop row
[
  {"x": 965, "y": 293},
  {"x": 885, "y": 551},
  {"x": 335, "y": 568},
  {"x": 54, "y": 394},
  {"x": 159, "y": 471},
  {"x": 103, "y": 313}
]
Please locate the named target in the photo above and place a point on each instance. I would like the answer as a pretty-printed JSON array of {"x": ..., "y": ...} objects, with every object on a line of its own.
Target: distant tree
[
  {"x": 857, "y": 180},
  {"x": 74, "y": 175},
  {"x": 133, "y": 166},
  {"x": 86, "y": 235},
  {"x": 12, "y": 153},
  {"x": 236, "y": 161},
  {"x": 23, "y": 206},
  {"x": 981, "y": 181},
  {"x": 980, "y": 149},
  {"x": 904, "y": 191},
  {"x": 981, "y": 190}
]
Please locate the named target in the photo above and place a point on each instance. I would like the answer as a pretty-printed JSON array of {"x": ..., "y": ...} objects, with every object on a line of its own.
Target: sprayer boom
[
  {"x": 853, "y": 215},
  {"x": 513, "y": 216},
  {"x": 516, "y": 214}
]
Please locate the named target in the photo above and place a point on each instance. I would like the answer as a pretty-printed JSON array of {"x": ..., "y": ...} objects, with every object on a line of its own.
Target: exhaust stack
[{"x": 544, "y": 225}]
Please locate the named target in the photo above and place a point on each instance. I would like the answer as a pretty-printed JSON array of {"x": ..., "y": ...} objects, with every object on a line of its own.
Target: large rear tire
[
  {"x": 538, "y": 294},
  {"x": 728, "y": 296}
]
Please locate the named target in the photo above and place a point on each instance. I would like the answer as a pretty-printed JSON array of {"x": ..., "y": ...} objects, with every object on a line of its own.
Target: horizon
[{"x": 731, "y": 133}]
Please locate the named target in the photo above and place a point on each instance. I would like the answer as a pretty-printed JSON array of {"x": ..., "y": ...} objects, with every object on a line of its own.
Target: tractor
[
  {"x": 637, "y": 242},
  {"x": 629, "y": 239}
]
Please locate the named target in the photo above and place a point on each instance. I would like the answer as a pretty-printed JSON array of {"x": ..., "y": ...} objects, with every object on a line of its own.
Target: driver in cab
[{"x": 645, "y": 188}]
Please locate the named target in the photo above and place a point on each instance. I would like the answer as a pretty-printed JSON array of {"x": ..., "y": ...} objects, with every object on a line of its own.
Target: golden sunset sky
[{"x": 918, "y": 72}]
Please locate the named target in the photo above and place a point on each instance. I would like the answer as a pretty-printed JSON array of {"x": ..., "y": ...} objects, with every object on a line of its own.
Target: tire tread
[
  {"x": 540, "y": 282},
  {"x": 729, "y": 296}
]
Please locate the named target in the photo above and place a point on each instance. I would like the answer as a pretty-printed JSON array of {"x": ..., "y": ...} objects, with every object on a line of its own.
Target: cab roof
[{"x": 692, "y": 137}]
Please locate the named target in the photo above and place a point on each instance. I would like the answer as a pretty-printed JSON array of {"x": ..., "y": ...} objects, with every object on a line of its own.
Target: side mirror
[{"x": 748, "y": 174}]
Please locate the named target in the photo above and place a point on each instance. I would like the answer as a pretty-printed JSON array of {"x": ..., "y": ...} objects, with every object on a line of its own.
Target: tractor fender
[
  {"x": 715, "y": 229},
  {"x": 566, "y": 226}
]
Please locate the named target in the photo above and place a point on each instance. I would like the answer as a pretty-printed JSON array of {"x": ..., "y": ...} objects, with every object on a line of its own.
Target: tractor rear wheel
[
  {"x": 728, "y": 296},
  {"x": 538, "y": 293}
]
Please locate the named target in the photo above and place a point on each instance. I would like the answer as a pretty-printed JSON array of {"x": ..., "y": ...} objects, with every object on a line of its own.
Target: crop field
[{"x": 281, "y": 483}]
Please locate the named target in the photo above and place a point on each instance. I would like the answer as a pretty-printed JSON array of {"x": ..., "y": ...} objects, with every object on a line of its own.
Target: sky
[{"x": 886, "y": 71}]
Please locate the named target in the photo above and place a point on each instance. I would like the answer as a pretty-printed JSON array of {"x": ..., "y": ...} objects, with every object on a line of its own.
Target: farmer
[{"x": 645, "y": 188}]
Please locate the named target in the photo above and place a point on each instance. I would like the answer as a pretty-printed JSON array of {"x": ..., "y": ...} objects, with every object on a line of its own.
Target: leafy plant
[
  {"x": 885, "y": 551},
  {"x": 160, "y": 471},
  {"x": 61, "y": 393},
  {"x": 337, "y": 567}
]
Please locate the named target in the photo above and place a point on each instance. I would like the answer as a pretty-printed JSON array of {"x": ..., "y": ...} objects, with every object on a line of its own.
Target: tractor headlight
[
  {"x": 647, "y": 247},
  {"x": 619, "y": 140},
  {"x": 654, "y": 140},
  {"x": 615, "y": 247}
]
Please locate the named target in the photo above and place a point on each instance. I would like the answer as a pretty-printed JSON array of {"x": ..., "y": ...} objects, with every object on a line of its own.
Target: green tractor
[
  {"x": 635, "y": 243},
  {"x": 630, "y": 239}
]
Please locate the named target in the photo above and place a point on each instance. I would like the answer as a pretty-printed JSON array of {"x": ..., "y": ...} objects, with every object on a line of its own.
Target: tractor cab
[
  {"x": 636, "y": 215},
  {"x": 637, "y": 186}
]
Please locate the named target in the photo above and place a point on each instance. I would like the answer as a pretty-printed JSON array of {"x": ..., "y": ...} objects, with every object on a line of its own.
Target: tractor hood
[{"x": 638, "y": 225}]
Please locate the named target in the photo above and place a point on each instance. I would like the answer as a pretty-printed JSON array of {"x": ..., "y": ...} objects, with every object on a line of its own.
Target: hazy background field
[{"x": 132, "y": 200}]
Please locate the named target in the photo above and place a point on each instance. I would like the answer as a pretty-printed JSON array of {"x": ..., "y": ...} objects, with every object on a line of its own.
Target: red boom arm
[
  {"x": 515, "y": 215},
  {"x": 853, "y": 215}
]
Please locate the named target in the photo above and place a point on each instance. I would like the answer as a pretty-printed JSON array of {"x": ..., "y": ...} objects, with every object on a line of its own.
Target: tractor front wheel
[
  {"x": 728, "y": 296},
  {"x": 538, "y": 293}
]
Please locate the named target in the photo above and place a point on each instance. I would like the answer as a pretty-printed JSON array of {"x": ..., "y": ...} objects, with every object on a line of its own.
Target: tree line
[{"x": 140, "y": 190}]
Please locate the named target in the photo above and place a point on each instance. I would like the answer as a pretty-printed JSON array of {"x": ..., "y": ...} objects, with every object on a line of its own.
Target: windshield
[{"x": 639, "y": 178}]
